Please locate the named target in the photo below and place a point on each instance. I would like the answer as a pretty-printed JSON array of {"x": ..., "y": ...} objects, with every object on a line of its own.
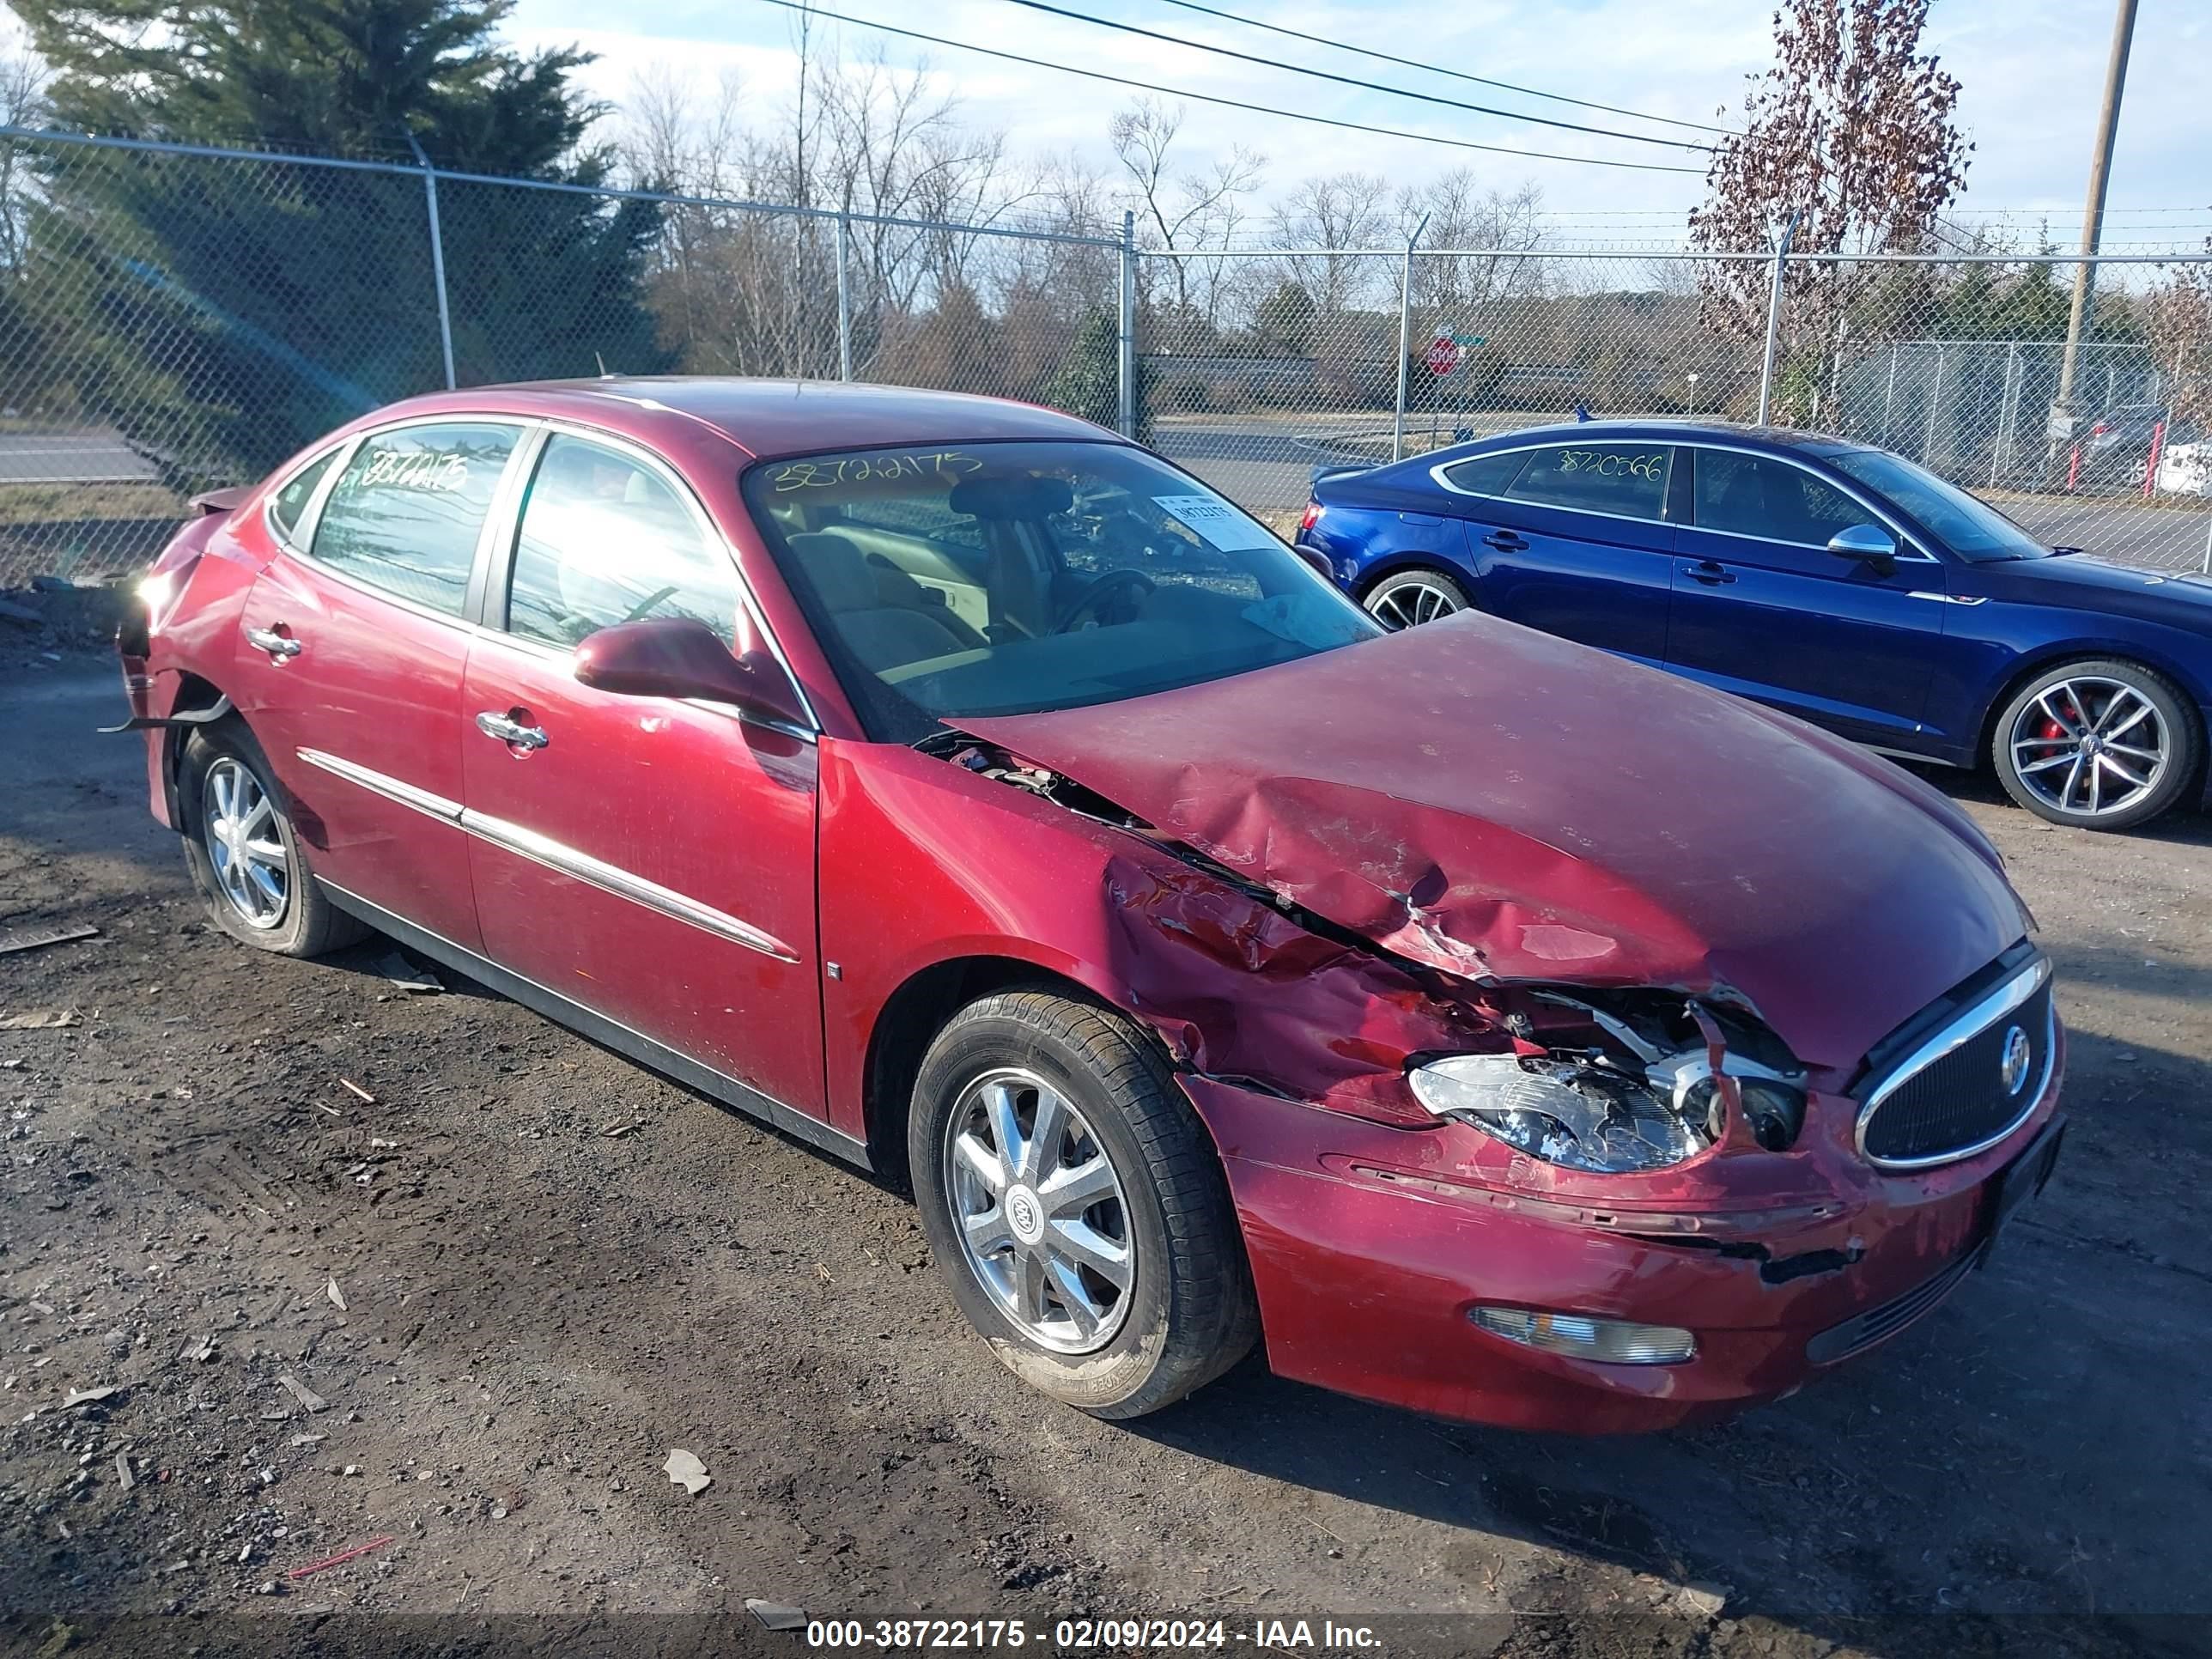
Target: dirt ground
[{"x": 511, "y": 1272}]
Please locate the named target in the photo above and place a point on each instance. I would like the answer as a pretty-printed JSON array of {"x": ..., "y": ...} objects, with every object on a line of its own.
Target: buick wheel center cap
[
  {"x": 2014, "y": 1066},
  {"x": 1024, "y": 1214}
]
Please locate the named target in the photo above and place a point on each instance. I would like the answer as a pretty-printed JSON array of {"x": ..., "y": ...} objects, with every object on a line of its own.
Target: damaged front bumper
[{"x": 1371, "y": 1246}]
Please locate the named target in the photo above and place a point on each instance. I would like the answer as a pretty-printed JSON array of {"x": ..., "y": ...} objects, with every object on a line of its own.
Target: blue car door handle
[
  {"x": 1504, "y": 541},
  {"x": 1711, "y": 573}
]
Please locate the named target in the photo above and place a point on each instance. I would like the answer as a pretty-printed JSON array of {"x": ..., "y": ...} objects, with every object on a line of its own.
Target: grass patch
[{"x": 49, "y": 503}]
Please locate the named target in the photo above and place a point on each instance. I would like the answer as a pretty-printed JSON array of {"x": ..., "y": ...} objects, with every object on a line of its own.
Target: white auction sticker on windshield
[{"x": 1222, "y": 524}]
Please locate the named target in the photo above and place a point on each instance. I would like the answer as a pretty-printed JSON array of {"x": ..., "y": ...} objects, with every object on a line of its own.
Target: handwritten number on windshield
[{"x": 856, "y": 469}]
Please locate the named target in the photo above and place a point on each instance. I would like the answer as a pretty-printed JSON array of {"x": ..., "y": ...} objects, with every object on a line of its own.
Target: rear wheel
[
  {"x": 1407, "y": 599},
  {"x": 1076, "y": 1205},
  {"x": 244, "y": 858},
  {"x": 2099, "y": 744}
]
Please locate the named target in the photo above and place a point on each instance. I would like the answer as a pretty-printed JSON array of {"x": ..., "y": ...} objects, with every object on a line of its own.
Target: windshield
[
  {"x": 1969, "y": 527},
  {"x": 1008, "y": 578}
]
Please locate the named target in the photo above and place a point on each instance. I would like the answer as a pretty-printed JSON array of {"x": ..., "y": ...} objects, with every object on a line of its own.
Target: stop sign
[{"x": 1442, "y": 357}]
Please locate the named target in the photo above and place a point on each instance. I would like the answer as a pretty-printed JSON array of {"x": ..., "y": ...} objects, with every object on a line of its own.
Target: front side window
[
  {"x": 605, "y": 539},
  {"x": 1628, "y": 480},
  {"x": 1972, "y": 529},
  {"x": 1757, "y": 495},
  {"x": 1007, "y": 578},
  {"x": 406, "y": 514},
  {"x": 289, "y": 502}
]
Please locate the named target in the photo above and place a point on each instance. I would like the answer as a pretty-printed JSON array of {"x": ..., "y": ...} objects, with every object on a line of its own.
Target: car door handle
[
  {"x": 278, "y": 646},
  {"x": 1712, "y": 574},
  {"x": 493, "y": 724},
  {"x": 1505, "y": 542}
]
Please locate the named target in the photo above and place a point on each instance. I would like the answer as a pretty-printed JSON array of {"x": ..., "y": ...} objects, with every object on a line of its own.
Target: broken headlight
[
  {"x": 1617, "y": 1092},
  {"x": 1582, "y": 1116}
]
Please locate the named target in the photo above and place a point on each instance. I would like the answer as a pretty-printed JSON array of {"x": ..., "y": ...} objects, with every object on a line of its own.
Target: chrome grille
[{"x": 1950, "y": 1098}]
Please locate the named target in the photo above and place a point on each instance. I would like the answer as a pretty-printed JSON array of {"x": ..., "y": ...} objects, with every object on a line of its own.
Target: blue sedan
[{"x": 1837, "y": 582}]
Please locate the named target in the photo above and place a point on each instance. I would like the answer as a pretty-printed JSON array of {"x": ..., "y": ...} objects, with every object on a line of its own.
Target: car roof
[
  {"x": 1677, "y": 431},
  {"x": 768, "y": 417}
]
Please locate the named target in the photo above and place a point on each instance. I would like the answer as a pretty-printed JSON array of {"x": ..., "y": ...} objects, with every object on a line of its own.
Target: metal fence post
[
  {"x": 1889, "y": 397},
  {"x": 1934, "y": 405},
  {"x": 1126, "y": 375},
  {"x": 1774, "y": 320},
  {"x": 2003, "y": 443},
  {"x": 1404, "y": 339},
  {"x": 437, "y": 256},
  {"x": 844, "y": 299}
]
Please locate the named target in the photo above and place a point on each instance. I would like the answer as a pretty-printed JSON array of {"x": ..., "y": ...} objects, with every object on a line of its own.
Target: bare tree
[
  {"x": 1182, "y": 211},
  {"x": 1478, "y": 235},
  {"x": 22, "y": 104},
  {"x": 1852, "y": 129},
  {"x": 2177, "y": 318}
]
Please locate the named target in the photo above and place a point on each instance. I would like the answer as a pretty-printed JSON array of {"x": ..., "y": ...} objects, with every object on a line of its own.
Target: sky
[{"x": 2032, "y": 72}]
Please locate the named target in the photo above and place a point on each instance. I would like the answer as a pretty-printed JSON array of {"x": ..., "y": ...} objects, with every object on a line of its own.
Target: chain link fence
[
  {"x": 174, "y": 318},
  {"x": 177, "y": 318},
  {"x": 1281, "y": 362}
]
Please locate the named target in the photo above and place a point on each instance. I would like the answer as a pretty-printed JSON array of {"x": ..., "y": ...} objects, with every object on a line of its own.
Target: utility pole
[{"x": 2092, "y": 217}]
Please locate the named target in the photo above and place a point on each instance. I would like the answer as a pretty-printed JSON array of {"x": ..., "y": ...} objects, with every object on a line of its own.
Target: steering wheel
[{"x": 1090, "y": 598}]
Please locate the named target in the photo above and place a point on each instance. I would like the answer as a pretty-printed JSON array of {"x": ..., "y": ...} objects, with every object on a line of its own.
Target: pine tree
[{"x": 221, "y": 313}]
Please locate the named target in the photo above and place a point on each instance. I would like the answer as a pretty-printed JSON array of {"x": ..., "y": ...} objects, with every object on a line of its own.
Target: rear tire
[
  {"x": 1407, "y": 599},
  {"x": 248, "y": 864},
  {"x": 1099, "y": 1256},
  {"x": 2098, "y": 745}
]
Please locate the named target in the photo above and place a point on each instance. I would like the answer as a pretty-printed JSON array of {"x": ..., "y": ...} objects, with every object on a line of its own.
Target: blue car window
[
  {"x": 1757, "y": 495},
  {"x": 1626, "y": 479},
  {"x": 1487, "y": 474}
]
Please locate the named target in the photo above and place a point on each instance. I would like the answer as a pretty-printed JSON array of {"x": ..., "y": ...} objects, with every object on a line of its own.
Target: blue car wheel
[{"x": 1410, "y": 597}]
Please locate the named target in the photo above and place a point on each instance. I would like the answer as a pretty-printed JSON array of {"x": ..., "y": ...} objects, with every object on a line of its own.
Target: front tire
[
  {"x": 1076, "y": 1207},
  {"x": 245, "y": 858},
  {"x": 1407, "y": 599},
  {"x": 2097, "y": 744}
]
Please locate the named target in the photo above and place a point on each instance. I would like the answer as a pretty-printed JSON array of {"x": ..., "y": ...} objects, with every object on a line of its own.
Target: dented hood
[{"x": 1498, "y": 803}]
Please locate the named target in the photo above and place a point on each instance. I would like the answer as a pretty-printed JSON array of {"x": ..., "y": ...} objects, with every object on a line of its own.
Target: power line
[
  {"x": 1438, "y": 69},
  {"x": 1231, "y": 103},
  {"x": 1353, "y": 81}
]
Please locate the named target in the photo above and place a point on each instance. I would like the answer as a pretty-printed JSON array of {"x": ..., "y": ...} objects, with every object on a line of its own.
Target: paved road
[
  {"x": 1267, "y": 467},
  {"x": 85, "y": 457}
]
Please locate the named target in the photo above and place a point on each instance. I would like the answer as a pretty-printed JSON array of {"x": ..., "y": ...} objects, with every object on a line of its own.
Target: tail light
[{"x": 1306, "y": 520}]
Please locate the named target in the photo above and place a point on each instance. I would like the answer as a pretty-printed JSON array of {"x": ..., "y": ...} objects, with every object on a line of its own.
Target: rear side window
[
  {"x": 406, "y": 514},
  {"x": 1487, "y": 474},
  {"x": 1627, "y": 480},
  {"x": 289, "y": 502},
  {"x": 1757, "y": 495},
  {"x": 604, "y": 539}
]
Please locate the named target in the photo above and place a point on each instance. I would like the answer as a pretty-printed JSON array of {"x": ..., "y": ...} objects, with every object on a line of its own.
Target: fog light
[{"x": 1615, "y": 1341}]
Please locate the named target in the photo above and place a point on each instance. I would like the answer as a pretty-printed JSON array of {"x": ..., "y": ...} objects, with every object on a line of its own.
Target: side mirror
[
  {"x": 678, "y": 657},
  {"x": 1868, "y": 543},
  {"x": 1319, "y": 560}
]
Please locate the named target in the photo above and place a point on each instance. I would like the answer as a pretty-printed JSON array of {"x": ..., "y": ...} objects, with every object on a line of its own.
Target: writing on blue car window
[
  {"x": 1615, "y": 464},
  {"x": 1628, "y": 480}
]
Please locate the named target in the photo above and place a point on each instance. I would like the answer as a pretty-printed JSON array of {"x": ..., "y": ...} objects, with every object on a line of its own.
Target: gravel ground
[{"x": 508, "y": 1274}]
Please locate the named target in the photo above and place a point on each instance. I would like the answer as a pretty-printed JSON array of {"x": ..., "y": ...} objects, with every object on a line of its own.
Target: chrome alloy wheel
[
  {"x": 1040, "y": 1211},
  {"x": 1409, "y": 601},
  {"x": 2090, "y": 745},
  {"x": 244, "y": 845}
]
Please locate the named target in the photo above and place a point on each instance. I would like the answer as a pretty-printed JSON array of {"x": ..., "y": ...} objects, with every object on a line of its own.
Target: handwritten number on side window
[{"x": 1608, "y": 464}]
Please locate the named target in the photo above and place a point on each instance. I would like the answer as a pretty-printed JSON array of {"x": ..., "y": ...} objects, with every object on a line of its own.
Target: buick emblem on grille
[{"x": 2014, "y": 1066}]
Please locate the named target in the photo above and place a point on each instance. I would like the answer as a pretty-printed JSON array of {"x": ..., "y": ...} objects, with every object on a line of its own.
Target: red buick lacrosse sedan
[{"x": 1475, "y": 1021}]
